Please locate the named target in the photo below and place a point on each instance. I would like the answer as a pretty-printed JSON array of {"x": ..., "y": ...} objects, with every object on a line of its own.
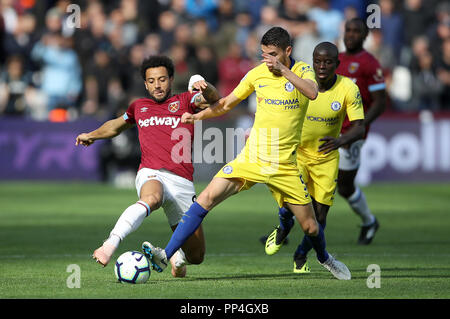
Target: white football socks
[
  {"x": 128, "y": 222},
  {"x": 358, "y": 203}
]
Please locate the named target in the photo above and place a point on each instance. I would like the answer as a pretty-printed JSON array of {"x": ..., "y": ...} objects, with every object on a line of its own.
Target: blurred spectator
[
  {"x": 178, "y": 7},
  {"x": 253, "y": 49},
  {"x": 440, "y": 30},
  {"x": 426, "y": 88},
  {"x": 253, "y": 7},
  {"x": 92, "y": 34},
  {"x": 328, "y": 20},
  {"x": 244, "y": 23},
  {"x": 133, "y": 74},
  {"x": 414, "y": 20},
  {"x": 443, "y": 71},
  {"x": 152, "y": 44},
  {"x": 14, "y": 82},
  {"x": 61, "y": 71},
  {"x": 22, "y": 39},
  {"x": 206, "y": 64},
  {"x": 99, "y": 72},
  {"x": 384, "y": 54},
  {"x": 306, "y": 36},
  {"x": 183, "y": 68},
  {"x": 2, "y": 37},
  {"x": 232, "y": 69},
  {"x": 225, "y": 12},
  {"x": 120, "y": 154},
  {"x": 269, "y": 17},
  {"x": 167, "y": 24},
  {"x": 126, "y": 24},
  {"x": 204, "y": 9},
  {"x": 360, "y": 6},
  {"x": 227, "y": 27},
  {"x": 9, "y": 15},
  {"x": 200, "y": 34},
  {"x": 392, "y": 26}
]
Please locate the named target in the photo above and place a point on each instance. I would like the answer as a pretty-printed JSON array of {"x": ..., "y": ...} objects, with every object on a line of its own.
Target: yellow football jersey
[
  {"x": 326, "y": 114},
  {"x": 279, "y": 114}
]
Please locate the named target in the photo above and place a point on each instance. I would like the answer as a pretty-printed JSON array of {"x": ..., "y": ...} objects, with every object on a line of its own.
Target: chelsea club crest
[
  {"x": 289, "y": 87},
  {"x": 335, "y": 106}
]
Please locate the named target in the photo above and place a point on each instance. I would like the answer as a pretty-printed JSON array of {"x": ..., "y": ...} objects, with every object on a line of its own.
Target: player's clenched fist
[
  {"x": 84, "y": 139},
  {"x": 272, "y": 63},
  {"x": 187, "y": 118}
]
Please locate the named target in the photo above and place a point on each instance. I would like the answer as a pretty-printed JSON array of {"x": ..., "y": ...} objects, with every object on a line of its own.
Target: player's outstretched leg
[
  {"x": 103, "y": 254},
  {"x": 189, "y": 223},
  {"x": 128, "y": 222},
  {"x": 278, "y": 236}
]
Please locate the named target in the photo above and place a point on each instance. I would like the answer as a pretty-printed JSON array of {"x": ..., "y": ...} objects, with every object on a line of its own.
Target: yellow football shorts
[
  {"x": 320, "y": 176},
  {"x": 283, "y": 180}
]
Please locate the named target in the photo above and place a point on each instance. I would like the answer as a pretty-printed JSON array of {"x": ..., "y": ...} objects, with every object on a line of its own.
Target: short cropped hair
[
  {"x": 157, "y": 61},
  {"x": 277, "y": 37},
  {"x": 363, "y": 24}
]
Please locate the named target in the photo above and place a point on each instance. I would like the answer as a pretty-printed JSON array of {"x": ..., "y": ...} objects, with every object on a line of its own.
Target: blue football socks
[
  {"x": 186, "y": 227},
  {"x": 286, "y": 220},
  {"x": 317, "y": 242}
]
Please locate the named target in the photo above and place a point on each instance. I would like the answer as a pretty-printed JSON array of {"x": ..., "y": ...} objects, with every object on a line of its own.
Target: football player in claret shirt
[
  {"x": 317, "y": 154},
  {"x": 164, "y": 178},
  {"x": 360, "y": 66},
  {"x": 283, "y": 89}
]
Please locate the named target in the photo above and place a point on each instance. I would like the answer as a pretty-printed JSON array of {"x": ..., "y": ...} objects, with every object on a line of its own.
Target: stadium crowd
[{"x": 52, "y": 68}]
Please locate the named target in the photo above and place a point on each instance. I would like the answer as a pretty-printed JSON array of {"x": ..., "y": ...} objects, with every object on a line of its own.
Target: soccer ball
[{"x": 132, "y": 267}]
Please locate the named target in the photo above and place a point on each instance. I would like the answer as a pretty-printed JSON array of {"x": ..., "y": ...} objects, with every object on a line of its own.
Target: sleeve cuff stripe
[{"x": 377, "y": 87}]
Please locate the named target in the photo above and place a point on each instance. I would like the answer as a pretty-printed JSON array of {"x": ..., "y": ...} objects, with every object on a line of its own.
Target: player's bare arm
[
  {"x": 222, "y": 106},
  {"x": 209, "y": 94},
  {"x": 355, "y": 133},
  {"x": 108, "y": 129},
  {"x": 377, "y": 108},
  {"x": 307, "y": 87}
]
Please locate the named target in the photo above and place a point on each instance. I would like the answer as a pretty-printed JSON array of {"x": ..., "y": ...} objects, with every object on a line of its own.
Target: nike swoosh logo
[
  {"x": 137, "y": 258},
  {"x": 261, "y": 86}
]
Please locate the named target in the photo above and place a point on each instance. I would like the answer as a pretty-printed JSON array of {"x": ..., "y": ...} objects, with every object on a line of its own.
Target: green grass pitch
[{"x": 45, "y": 227}]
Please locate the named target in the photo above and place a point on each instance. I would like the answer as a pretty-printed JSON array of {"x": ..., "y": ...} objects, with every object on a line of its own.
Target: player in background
[
  {"x": 365, "y": 71},
  {"x": 317, "y": 154},
  {"x": 360, "y": 66},
  {"x": 283, "y": 90},
  {"x": 164, "y": 179}
]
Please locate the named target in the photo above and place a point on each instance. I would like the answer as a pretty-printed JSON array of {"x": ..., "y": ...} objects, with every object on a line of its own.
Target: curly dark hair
[
  {"x": 157, "y": 61},
  {"x": 278, "y": 37}
]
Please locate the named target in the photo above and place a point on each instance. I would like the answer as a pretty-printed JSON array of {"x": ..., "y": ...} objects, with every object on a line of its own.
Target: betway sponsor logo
[
  {"x": 325, "y": 120},
  {"x": 156, "y": 120},
  {"x": 288, "y": 103}
]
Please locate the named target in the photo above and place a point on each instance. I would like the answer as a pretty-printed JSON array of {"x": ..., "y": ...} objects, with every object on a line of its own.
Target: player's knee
[
  {"x": 310, "y": 228},
  {"x": 152, "y": 200}
]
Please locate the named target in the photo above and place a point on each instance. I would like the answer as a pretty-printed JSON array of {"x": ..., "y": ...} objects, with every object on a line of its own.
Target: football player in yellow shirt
[
  {"x": 283, "y": 91},
  {"x": 318, "y": 155}
]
